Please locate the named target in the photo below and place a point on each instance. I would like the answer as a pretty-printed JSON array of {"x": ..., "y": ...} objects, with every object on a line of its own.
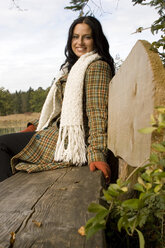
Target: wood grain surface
[
  {"x": 134, "y": 91},
  {"x": 46, "y": 209}
]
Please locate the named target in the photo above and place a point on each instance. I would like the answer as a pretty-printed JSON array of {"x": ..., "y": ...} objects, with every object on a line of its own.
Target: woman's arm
[{"x": 97, "y": 80}]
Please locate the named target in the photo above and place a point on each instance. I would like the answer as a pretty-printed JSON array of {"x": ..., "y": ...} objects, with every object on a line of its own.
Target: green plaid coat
[{"x": 38, "y": 155}]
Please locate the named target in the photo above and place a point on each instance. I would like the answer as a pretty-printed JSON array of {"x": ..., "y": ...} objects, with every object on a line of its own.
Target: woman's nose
[{"x": 80, "y": 40}]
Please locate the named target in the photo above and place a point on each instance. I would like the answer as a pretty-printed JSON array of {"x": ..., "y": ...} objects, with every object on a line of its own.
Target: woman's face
[{"x": 82, "y": 40}]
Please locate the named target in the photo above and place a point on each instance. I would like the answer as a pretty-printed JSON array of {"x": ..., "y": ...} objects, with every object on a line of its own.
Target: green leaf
[
  {"x": 161, "y": 109},
  {"x": 95, "y": 208},
  {"x": 90, "y": 232},
  {"x": 140, "y": 180},
  {"x": 147, "y": 130},
  {"x": 146, "y": 177},
  {"x": 158, "y": 147},
  {"x": 154, "y": 158},
  {"x": 120, "y": 223},
  {"x": 149, "y": 171},
  {"x": 99, "y": 218},
  {"x": 144, "y": 196},
  {"x": 162, "y": 162},
  {"x": 107, "y": 196},
  {"x": 114, "y": 186},
  {"x": 148, "y": 186},
  {"x": 161, "y": 118},
  {"x": 153, "y": 121},
  {"x": 113, "y": 193},
  {"x": 113, "y": 190},
  {"x": 157, "y": 188},
  {"x": 157, "y": 171},
  {"x": 161, "y": 125},
  {"x": 89, "y": 223},
  {"x": 159, "y": 174},
  {"x": 131, "y": 203},
  {"x": 139, "y": 187},
  {"x": 124, "y": 189},
  {"x": 119, "y": 182},
  {"x": 141, "y": 239}
]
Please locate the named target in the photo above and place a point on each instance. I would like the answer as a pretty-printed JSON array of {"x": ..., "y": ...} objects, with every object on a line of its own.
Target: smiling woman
[
  {"x": 82, "y": 40},
  {"x": 72, "y": 128}
]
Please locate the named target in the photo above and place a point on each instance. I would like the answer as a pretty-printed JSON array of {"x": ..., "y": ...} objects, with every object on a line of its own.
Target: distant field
[{"x": 16, "y": 122}]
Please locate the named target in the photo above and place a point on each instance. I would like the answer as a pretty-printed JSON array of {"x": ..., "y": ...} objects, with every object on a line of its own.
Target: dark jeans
[{"x": 10, "y": 145}]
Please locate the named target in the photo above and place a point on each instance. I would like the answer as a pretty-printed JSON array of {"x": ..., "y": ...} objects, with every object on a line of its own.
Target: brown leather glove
[
  {"x": 30, "y": 128},
  {"x": 104, "y": 167}
]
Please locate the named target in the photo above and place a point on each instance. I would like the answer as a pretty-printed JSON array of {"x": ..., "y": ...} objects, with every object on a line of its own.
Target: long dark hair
[{"x": 100, "y": 42}]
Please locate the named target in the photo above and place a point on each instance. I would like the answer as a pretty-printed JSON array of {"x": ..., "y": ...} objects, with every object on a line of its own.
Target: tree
[
  {"x": 22, "y": 102},
  {"x": 85, "y": 7},
  {"x": 16, "y": 102},
  {"x": 78, "y": 5},
  {"x": 37, "y": 99},
  {"x": 158, "y": 25},
  {"x": 29, "y": 95},
  {"x": 6, "y": 102}
]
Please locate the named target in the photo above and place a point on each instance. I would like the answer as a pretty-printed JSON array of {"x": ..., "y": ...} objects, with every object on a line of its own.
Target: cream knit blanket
[{"x": 71, "y": 130}]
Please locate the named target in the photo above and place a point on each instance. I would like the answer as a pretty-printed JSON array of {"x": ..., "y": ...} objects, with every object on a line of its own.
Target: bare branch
[
  {"x": 140, "y": 29},
  {"x": 91, "y": 5},
  {"x": 99, "y": 7},
  {"x": 17, "y": 6},
  {"x": 117, "y": 4}
]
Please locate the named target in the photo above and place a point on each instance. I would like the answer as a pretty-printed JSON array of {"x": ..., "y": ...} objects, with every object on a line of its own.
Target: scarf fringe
[{"x": 73, "y": 138}]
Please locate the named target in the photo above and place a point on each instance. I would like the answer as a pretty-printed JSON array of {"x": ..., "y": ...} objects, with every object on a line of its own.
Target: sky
[{"x": 32, "y": 40}]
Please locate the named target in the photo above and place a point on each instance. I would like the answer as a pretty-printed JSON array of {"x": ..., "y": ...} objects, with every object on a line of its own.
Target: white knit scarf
[{"x": 71, "y": 130}]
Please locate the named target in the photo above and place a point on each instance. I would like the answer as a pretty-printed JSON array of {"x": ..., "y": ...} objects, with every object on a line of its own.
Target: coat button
[{"x": 38, "y": 136}]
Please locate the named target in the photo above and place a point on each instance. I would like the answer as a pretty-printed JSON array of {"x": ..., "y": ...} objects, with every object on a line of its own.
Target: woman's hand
[
  {"x": 104, "y": 167},
  {"x": 30, "y": 128}
]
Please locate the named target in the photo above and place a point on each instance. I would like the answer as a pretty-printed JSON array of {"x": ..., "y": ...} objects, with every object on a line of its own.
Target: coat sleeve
[
  {"x": 98, "y": 76},
  {"x": 33, "y": 122}
]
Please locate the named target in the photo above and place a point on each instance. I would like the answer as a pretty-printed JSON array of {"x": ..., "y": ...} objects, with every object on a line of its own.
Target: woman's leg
[{"x": 10, "y": 145}]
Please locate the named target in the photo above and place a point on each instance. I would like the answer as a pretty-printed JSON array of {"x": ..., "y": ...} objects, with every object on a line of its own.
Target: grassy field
[{"x": 16, "y": 122}]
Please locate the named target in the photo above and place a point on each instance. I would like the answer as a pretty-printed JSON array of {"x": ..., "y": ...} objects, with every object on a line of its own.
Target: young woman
[{"x": 72, "y": 129}]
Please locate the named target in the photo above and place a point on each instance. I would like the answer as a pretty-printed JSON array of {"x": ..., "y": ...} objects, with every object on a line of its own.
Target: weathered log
[{"x": 136, "y": 89}]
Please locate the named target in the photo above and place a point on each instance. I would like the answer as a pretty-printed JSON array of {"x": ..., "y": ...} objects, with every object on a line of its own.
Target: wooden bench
[{"x": 57, "y": 200}]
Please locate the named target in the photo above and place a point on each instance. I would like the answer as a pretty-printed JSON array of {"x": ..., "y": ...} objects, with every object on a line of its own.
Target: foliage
[
  {"x": 158, "y": 25},
  {"x": 5, "y": 102},
  {"x": 37, "y": 99},
  {"x": 78, "y": 5},
  {"x": 21, "y": 102},
  {"x": 86, "y": 7},
  {"x": 143, "y": 215}
]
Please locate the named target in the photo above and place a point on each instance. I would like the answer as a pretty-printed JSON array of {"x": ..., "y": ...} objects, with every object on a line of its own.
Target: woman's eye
[
  {"x": 88, "y": 37},
  {"x": 74, "y": 37}
]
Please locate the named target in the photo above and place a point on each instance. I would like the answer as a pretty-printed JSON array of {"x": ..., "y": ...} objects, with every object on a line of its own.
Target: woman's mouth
[{"x": 80, "y": 49}]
